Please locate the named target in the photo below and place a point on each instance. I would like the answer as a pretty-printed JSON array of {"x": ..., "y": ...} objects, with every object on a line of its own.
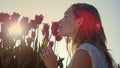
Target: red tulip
[
  {"x": 24, "y": 20},
  {"x": 25, "y": 25},
  {"x": 38, "y": 19},
  {"x": 15, "y": 17},
  {"x": 4, "y": 28},
  {"x": 45, "y": 30},
  {"x": 1, "y": 17},
  {"x": 33, "y": 24},
  {"x": 51, "y": 43},
  {"x": 58, "y": 38},
  {"x": 118, "y": 66},
  {"x": 33, "y": 34},
  {"x": 46, "y": 27},
  {"x": 30, "y": 39},
  {"x": 25, "y": 30},
  {"x": 54, "y": 28},
  {"x": 4, "y": 17}
]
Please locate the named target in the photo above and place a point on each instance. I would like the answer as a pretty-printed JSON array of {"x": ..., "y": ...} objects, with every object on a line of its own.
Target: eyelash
[{"x": 65, "y": 16}]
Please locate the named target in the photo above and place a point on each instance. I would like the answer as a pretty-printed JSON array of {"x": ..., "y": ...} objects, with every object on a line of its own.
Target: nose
[{"x": 60, "y": 21}]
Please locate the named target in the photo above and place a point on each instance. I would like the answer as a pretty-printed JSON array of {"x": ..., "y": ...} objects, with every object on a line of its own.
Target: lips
[
  {"x": 59, "y": 30},
  {"x": 59, "y": 26}
]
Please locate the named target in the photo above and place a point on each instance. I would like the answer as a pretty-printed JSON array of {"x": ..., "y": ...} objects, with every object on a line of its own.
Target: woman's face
[{"x": 68, "y": 26}]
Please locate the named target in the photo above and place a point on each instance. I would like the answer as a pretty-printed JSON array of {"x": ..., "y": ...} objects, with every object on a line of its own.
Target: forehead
[{"x": 69, "y": 11}]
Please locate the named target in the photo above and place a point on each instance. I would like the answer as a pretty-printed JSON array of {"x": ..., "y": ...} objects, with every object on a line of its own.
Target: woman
[{"x": 82, "y": 25}]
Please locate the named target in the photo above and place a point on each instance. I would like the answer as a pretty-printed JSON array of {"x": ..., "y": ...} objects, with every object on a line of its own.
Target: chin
[{"x": 61, "y": 34}]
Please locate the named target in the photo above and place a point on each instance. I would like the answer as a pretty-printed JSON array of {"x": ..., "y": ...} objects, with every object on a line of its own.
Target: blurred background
[{"x": 53, "y": 10}]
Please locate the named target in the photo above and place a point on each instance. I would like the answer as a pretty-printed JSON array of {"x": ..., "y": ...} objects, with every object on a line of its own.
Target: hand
[{"x": 49, "y": 57}]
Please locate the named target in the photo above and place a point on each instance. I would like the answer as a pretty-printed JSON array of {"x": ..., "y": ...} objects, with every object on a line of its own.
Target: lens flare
[{"x": 15, "y": 29}]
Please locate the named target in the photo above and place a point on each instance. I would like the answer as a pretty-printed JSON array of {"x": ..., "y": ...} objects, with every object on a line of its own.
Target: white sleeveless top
[{"x": 97, "y": 57}]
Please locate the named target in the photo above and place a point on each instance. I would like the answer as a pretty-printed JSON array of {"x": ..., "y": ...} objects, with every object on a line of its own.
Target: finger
[
  {"x": 43, "y": 51},
  {"x": 52, "y": 52},
  {"x": 42, "y": 57},
  {"x": 44, "y": 54},
  {"x": 48, "y": 53}
]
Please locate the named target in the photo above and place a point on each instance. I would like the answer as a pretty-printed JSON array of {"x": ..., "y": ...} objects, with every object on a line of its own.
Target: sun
[{"x": 15, "y": 29}]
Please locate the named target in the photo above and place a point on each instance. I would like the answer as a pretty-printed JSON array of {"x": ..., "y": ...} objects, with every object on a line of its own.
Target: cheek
[
  {"x": 67, "y": 21},
  {"x": 66, "y": 27}
]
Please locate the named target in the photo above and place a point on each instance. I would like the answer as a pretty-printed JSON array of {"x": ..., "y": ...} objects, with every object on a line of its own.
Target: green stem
[
  {"x": 48, "y": 40},
  {"x": 54, "y": 46}
]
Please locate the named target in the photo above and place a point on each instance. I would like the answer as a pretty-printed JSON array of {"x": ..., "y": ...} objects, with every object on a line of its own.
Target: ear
[{"x": 79, "y": 22}]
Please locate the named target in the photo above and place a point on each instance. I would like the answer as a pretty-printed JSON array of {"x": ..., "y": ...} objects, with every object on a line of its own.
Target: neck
[{"x": 73, "y": 35}]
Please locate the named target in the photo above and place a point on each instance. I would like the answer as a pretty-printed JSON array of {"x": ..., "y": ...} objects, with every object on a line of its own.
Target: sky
[{"x": 53, "y": 10}]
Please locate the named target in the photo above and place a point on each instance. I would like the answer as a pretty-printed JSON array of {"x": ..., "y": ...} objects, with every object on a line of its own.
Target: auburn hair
[{"x": 90, "y": 30}]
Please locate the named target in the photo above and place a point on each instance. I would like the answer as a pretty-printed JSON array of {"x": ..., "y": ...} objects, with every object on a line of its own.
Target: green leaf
[{"x": 60, "y": 62}]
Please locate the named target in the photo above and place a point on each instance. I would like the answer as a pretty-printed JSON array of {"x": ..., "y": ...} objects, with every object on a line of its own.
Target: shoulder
[
  {"x": 87, "y": 46},
  {"x": 81, "y": 59},
  {"x": 90, "y": 48},
  {"x": 94, "y": 54}
]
